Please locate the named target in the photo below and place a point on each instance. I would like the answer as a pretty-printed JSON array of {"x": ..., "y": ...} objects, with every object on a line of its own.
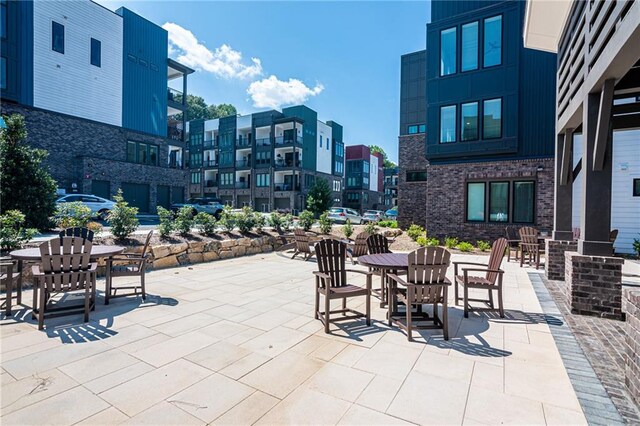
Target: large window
[
  {"x": 492, "y": 122},
  {"x": 475, "y": 201},
  {"x": 469, "y": 47},
  {"x": 448, "y": 124},
  {"x": 263, "y": 158},
  {"x": 195, "y": 159},
  {"x": 469, "y": 121},
  {"x": 57, "y": 37},
  {"x": 523, "y": 201},
  {"x": 492, "y": 41},
  {"x": 226, "y": 179},
  {"x": 196, "y": 177},
  {"x": 448, "y": 51},
  {"x": 499, "y": 201},
  {"x": 226, "y": 159},
  {"x": 142, "y": 153},
  {"x": 413, "y": 129},
  {"x": 96, "y": 52},
  {"x": 415, "y": 176},
  {"x": 263, "y": 179}
]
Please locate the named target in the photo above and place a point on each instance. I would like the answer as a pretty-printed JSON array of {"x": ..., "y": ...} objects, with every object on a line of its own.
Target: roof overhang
[
  {"x": 175, "y": 69},
  {"x": 543, "y": 23}
]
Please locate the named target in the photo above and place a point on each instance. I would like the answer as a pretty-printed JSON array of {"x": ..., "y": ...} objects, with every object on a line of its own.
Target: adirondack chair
[
  {"x": 529, "y": 246},
  {"x": 358, "y": 247},
  {"x": 426, "y": 283},
  {"x": 513, "y": 239},
  {"x": 378, "y": 244},
  {"x": 77, "y": 232},
  {"x": 66, "y": 267},
  {"x": 332, "y": 283},
  {"x": 492, "y": 279},
  {"x": 9, "y": 276},
  {"x": 127, "y": 265},
  {"x": 304, "y": 244}
]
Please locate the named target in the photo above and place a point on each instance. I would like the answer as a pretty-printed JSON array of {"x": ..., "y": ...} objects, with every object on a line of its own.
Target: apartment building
[
  {"x": 490, "y": 123},
  {"x": 100, "y": 94},
  {"x": 267, "y": 160},
  {"x": 364, "y": 179},
  {"x": 390, "y": 187}
]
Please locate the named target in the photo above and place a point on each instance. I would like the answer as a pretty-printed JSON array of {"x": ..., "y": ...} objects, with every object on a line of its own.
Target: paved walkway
[{"x": 235, "y": 342}]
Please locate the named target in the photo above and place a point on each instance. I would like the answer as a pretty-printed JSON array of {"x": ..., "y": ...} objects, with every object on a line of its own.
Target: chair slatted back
[
  {"x": 78, "y": 232},
  {"x": 146, "y": 243},
  {"x": 331, "y": 256},
  {"x": 428, "y": 265},
  {"x": 613, "y": 235},
  {"x": 302, "y": 241},
  {"x": 512, "y": 233},
  {"x": 529, "y": 238},
  {"x": 576, "y": 233},
  {"x": 360, "y": 247},
  {"x": 378, "y": 244},
  {"x": 495, "y": 258},
  {"x": 65, "y": 262}
]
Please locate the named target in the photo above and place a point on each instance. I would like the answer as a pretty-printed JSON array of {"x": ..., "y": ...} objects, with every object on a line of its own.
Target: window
[
  {"x": 195, "y": 140},
  {"x": 195, "y": 159},
  {"x": 320, "y": 137},
  {"x": 195, "y": 177},
  {"x": 413, "y": 130},
  {"x": 328, "y": 145},
  {"x": 226, "y": 179},
  {"x": 142, "y": 153},
  {"x": 263, "y": 158},
  {"x": 263, "y": 179},
  {"x": 57, "y": 37},
  {"x": 498, "y": 201},
  {"x": 636, "y": 187},
  {"x": 492, "y": 41},
  {"x": 365, "y": 197},
  {"x": 226, "y": 159},
  {"x": 3, "y": 73},
  {"x": 448, "y": 124},
  {"x": 448, "y": 51},
  {"x": 422, "y": 128},
  {"x": 365, "y": 167},
  {"x": 469, "y": 47},
  {"x": 469, "y": 121},
  {"x": 475, "y": 201},
  {"x": 492, "y": 121},
  {"x": 96, "y": 52},
  {"x": 523, "y": 201},
  {"x": 336, "y": 186},
  {"x": 3, "y": 18},
  {"x": 416, "y": 176}
]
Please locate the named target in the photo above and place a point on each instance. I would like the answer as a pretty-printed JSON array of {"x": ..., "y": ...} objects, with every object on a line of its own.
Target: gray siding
[{"x": 413, "y": 90}]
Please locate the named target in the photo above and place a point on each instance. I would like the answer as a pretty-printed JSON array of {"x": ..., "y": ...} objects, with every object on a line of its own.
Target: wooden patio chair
[
  {"x": 9, "y": 276},
  {"x": 492, "y": 279},
  {"x": 332, "y": 283},
  {"x": 513, "y": 240},
  {"x": 303, "y": 244},
  {"x": 127, "y": 265},
  {"x": 84, "y": 233},
  {"x": 529, "y": 246},
  {"x": 358, "y": 247},
  {"x": 66, "y": 267},
  {"x": 426, "y": 283},
  {"x": 377, "y": 244}
]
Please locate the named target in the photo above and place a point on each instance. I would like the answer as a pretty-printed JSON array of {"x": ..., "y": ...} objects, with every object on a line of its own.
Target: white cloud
[
  {"x": 223, "y": 61},
  {"x": 273, "y": 93}
]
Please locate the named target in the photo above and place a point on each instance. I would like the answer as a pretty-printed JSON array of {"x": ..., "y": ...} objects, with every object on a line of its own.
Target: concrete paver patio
[{"x": 235, "y": 342}]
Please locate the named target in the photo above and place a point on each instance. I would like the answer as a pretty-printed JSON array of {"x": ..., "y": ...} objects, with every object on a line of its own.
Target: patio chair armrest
[
  {"x": 93, "y": 267},
  {"x": 468, "y": 263},
  {"x": 466, "y": 270},
  {"x": 397, "y": 279},
  {"x": 368, "y": 273},
  {"x": 35, "y": 270},
  {"x": 322, "y": 275}
]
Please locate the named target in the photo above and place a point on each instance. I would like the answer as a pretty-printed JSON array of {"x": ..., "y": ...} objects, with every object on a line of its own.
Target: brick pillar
[
  {"x": 554, "y": 264},
  {"x": 631, "y": 307},
  {"x": 594, "y": 285}
]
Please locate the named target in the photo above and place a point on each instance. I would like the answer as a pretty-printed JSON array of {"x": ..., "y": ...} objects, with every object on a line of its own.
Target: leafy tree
[
  {"x": 221, "y": 110},
  {"x": 122, "y": 218},
  {"x": 305, "y": 220},
  {"x": 320, "y": 197},
  {"x": 197, "y": 108},
  {"x": 25, "y": 184},
  {"x": 12, "y": 232},
  {"x": 387, "y": 163}
]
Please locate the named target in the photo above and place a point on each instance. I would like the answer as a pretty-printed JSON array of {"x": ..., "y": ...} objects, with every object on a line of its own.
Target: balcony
[
  {"x": 242, "y": 185},
  {"x": 211, "y": 143},
  {"x": 175, "y": 164},
  {"x": 284, "y": 164},
  {"x": 174, "y": 96},
  {"x": 211, "y": 183},
  {"x": 282, "y": 140},
  {"x": 175, "y": 132},
  {"x": 263, "y": 142},
  {"x": 210, "y": 163},
  {"x": 243, "y": 142},
  {"x": 243, "y": 163},
  {"x": 281, "y": 186}
]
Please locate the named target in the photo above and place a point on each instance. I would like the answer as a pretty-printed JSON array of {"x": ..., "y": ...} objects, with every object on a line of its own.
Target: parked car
[
  {"x": 391, "y": 214},
  {"x": 341, "y": 214},
  {"x": 212, "y": 206},
  {"x": 99, "y": 206},
  {"x": 373, "y": 215}
]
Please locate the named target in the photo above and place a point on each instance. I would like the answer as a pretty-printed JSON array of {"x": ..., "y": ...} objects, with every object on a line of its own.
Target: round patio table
[
  {"x": 33, "y": 255},
  {"x": 385, "y": 263}
]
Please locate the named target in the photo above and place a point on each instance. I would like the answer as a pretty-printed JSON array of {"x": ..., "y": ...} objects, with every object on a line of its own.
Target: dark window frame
[
  {"x": 455, "y": 55},
  {"x": 477, "y": 22},
  {"x": 455, "y": 124},
  {"x": 636, "y": 187},
  {"x": 96, "y": 61},
  {"x": 148, "y": 145},
  {"x": 462, "y": 122},
  {"x": 509, "y": 207},
  {"x": 511, "y": 200},
  {"x": 520, "y": 180},
  {"x": 501, "y": 99},
  {"x": 56, "y": 25},
  {"x": 484, "y": 35},
  {"x": 416, "y": 176},
  {"x": 466, "y": 201},
  {"x": 413, "y": 127}
]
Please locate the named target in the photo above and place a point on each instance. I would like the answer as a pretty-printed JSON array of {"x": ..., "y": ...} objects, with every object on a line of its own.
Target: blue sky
[{"x": 340, "y": 58}]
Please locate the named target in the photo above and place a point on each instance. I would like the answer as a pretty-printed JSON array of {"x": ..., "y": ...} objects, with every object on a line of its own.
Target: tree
[
  {"x": 221, "y": 110},
  {"x": 197, "y": 108},
  {"x": 25, "y": 184},
  {"x": 320, "y": 198},
  {"x": 388, "y": 164}
]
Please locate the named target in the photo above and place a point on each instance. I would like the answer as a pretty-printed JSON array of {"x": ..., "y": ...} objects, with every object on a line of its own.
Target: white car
[
  {"x": 99, "y": 206},
  {"x": 341, "y": 214}
]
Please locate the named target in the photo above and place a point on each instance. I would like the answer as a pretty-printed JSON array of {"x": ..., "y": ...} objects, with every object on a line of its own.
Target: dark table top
[
  {"x": 396, "y": 261},
  {"x": 96, "y": 252}
]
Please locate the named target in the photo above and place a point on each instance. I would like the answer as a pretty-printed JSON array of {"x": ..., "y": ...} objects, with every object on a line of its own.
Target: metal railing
[
  {"x": 243, "y": 163},
  {"x": 281, "y": 186},
  {"x": 174, "y": 95},
  {"x": 175, "y": 133},
  {"x": 211, "y": 183},
  {"x": 210, "y": 163},
  {"x": 263, "y": 142},
  {"x": 242, "y": 185},
  {"x": 211, "y": 143},
  {"x": 243, "y": 142},
  {"x": 282, "y": 140},
  {"x": 283, "y": 164}
]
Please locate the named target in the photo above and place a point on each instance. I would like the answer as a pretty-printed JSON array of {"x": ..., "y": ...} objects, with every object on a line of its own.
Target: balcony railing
[
  {"x": 263, "y": 142},
  {"x": 281, "y": 186},
  {"x": 283, "y": 164},
  {"x": 174, "y": 95},
  {"x": 282, "y": 140},
  {"x": 242, "y": 185},
  {"x": 175, "y": 164},
  {"x": 243, "y": 163},
  {"x": 211, "y": 143},
  {"x": 174, "y": 132},
  {"x": 211, "y": 183},
  {"x": 243, "y": 142},
  {"x": 210, "y": 163}
]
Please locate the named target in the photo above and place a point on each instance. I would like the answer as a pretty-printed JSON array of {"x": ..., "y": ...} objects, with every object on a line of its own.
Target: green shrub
[
  {"x": 636, "y": 246},
  {"x": 275, "y": 221},
  {"x": 483, "y": 245},
  {"x": 347, "y": 229},
  {"x": 464, "y": 246},
  {"x": 306, "y": 220},
  {"x": 416, "y": 231},
  {"x": 450, "y": 242},
  {"x": 206, "y": 223},
  {"x": 95, "y": 227},
  {"x": 245, "y": 220},
  {"x": 71, "y": 215},
  {"x": 12, "y": 232},
  {"x": 184, "y": 220},
  {"x": 287, "y": 222},
  {"x": 228, "y": 219},
  {"x": 122, "y": 218},
  {"x": 325, "y": 223},
  {"x": 427, "y": 242},
  {"x": 371, "y": 228},
  {"x": 388, "y": 224},
  {"x": 260, "y": 221},
  {"x": 166, "y": 225}
]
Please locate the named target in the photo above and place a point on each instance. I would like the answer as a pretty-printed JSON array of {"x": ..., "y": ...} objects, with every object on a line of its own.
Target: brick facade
[
  {"x": 82, "y": 150},
  {"x": 555, "y": 262},
  {"x": 412, "y": 196},
  {"x": 593, "y": 285},
  {"x": 446, "y": 193},
  {"x": 631, "y": 307}
]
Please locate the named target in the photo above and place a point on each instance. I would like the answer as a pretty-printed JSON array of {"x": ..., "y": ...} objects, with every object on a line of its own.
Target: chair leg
[
  {"x": 521, "y": 258},
  {"x": 455, "y": 290},
  {"x": 344, "y": 306},
  {"x": 107, "y": 284},
  {"x": 295, "y": 253},
  {"x": 390, "y": 304},
  {"x": 368, "y": 308},
  {"x": 500, "y": 304},
  {"x": 445, "y": 321},
  {"x": 408, "y": 310},
  {"x": 491, "y": 297},
  {"x": 87, "y": 298},
  {"x": 19, "y": 292},
  {"x": 466, "y": 301},
  {"x": 42, "y": 302},
  {"x": 327, "y": 308},
  {"x": 9, "y": 291},
  {"x": 144, "y": 291},
  {"x": 317, "y": 302}
]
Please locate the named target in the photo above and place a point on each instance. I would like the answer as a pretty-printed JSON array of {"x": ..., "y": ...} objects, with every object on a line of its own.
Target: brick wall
[
  {"x": 631, "y": 306},
  {"x": 412, "y": 196},
  {"x": 555, "y": 261},
  {"x": 593, "y": 285}
]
